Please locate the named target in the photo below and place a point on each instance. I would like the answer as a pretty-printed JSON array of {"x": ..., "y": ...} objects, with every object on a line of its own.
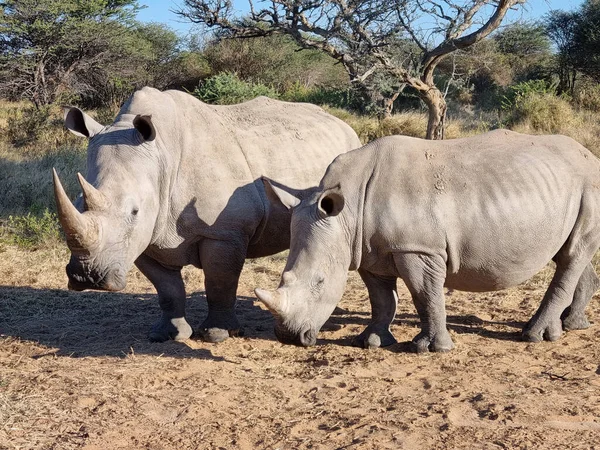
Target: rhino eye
[{"x": 134, "y": 211}]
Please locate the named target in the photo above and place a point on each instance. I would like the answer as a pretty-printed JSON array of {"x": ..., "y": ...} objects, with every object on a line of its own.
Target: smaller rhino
[{"x": 475, "y": 214}]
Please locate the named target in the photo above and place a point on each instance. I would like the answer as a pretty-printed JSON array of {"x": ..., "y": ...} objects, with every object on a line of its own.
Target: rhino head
[
  {"x": 114, "y": 219},
  {"x": 315, "y": 274}
]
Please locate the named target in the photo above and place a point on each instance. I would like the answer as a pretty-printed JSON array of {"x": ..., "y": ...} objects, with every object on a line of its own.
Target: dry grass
[
  {"x": 549, "y": 114},
  {"x": 26, "y": 182},
  {"x": 406, "y": 123},
  {"x": 581, "y": 125}
]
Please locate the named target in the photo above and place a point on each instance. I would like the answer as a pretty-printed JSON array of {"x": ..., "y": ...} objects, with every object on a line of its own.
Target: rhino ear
[
  {"x": 278, "y": 193},
  {"x": 144, "y": 125},
  {"x": 79, "y": 123},
  {"x": 331, "y": 202}
]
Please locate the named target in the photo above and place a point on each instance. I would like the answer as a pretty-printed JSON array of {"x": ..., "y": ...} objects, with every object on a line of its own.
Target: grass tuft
[{"x": 31, "y": 231}]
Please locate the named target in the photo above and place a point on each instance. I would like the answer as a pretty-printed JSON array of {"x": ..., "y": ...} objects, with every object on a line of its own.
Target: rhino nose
[
  {"x": 114, "y": 283},
  {"x": 308, "y": 337}
]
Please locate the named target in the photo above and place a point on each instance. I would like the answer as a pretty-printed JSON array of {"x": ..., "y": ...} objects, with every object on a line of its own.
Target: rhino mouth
[
  {"x": 306, "y": 337},
  {"x": 108, "y": 283}
]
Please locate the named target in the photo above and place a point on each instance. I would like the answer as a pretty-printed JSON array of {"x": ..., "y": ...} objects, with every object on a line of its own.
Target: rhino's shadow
[{"x": 108, "y": 324}]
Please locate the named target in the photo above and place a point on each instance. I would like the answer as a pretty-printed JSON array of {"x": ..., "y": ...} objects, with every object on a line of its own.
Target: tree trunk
[
  {"x": 387, "y": 105},
  {"x": 436, "y": 104}
]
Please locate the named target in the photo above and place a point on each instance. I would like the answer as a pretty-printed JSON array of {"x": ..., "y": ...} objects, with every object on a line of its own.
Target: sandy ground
[{"x": 76, "y": 371}]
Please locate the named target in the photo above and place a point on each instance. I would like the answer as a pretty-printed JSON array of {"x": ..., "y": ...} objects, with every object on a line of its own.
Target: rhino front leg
[
  {"x": 384, "y": 300},
  {"x": 574, "y": 318},
  {"x": 222, "y": 263},
  {"x": 171, "y": 298},
  {"x": 424, "y": 276}
]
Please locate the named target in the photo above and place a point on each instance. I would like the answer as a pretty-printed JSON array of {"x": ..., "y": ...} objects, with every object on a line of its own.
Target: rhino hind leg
[
  {"x": 171, "y": 298},
  {"x": 424, "y": 276},
  {"x": 384, "y": 300},
  {"x": 563, "y": 291},
  {"x": 574, "y": 318},
  {"x": 222, "y": 264}
]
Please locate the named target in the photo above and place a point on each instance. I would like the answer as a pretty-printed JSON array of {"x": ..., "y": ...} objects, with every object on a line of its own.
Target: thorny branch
[{"x": 361, "y": 34}]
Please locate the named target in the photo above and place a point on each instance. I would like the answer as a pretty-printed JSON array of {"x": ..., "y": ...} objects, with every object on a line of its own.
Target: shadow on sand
[
  {"x": 467, "y": 324},
  {"x": 108, "y": 324}
]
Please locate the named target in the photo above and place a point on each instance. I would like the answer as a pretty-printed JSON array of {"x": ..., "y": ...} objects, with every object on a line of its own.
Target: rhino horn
[
  {"x": 272, "y": 300},
  {"x": 94, "y": 199},
  {"x": 77, "y": 227}
]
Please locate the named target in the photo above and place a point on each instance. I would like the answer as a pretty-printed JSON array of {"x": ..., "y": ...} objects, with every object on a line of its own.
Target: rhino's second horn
[
  {"x": 272, "y": 300},
  {"x": 94, "y": 199}
]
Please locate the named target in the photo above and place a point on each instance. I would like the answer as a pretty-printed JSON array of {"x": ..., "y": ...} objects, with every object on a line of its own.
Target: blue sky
[{"x": 159, "y": 11}]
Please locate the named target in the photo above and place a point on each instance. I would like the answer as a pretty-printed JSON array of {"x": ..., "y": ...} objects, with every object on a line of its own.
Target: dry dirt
[{"x": 76, "y": 371}]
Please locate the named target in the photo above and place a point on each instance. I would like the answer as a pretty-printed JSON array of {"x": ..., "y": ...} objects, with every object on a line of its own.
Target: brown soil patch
[{"x": 76, "y": 371}]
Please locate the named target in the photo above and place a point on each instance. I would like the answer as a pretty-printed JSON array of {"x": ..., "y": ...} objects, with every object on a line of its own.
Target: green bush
[
  {"x": 544, "y": 113},
  {"x": 587, "y": 96},
  {"x": 31, "y": 231},
  {"x": 24, "y": 126},
  {"x": 519, "y": 93},
  {"x": 227, "y": 88},
  {"x": 535, "y": 106},
  {"x": 320, "y": 95}
]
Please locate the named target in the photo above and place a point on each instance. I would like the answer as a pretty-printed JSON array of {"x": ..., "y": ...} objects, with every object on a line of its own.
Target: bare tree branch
[{"x": 364, "y": 35}]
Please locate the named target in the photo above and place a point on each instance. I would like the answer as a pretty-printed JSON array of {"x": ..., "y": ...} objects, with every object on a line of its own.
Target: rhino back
[
  {"x": 498, "y": 206},
  {"x": 291, "y": 142}
]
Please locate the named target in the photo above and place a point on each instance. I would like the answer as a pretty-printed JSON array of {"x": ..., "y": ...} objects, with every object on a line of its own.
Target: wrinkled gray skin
[
  {"x": 174, "y": 181},
  {"x": 475, "y": 214}
]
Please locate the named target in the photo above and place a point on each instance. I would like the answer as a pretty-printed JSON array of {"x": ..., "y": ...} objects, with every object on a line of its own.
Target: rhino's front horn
[
  {"x": 77, "y": 227},
  {"x": 94, "y": 199},
  {"x": 272, "y": 300}
]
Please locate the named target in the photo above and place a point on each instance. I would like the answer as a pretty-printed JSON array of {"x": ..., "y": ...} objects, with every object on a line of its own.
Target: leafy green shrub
[
  {"x": 32, "y": 230},
  {"x": 227, "y": 88},
  {"x": 24, "y": 126},
  {"x": 587, "y": 96},
  {"x": 535, "y": 107},
  {"x": 27, "y": 126},
  {"x": 105, "y": 115},
  {"x": 320, "y": 95},
  {"x": 544, "y": 113},
  {"x": 521, "y": 92}
]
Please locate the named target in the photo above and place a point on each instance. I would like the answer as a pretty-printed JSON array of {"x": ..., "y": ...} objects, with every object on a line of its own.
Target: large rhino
[
  {"x": 474, "y": 214},
  {"x": 174, "y": 181}
]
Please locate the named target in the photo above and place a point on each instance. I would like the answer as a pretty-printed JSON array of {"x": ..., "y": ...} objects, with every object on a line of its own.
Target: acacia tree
[
  {"x": 586, "y": 39},
  {"x": 561, "y": 27},
  {"x": 359, "y": 34},
  {"x": 45, "y": 44},
  {"x": 92, "y": 51}
]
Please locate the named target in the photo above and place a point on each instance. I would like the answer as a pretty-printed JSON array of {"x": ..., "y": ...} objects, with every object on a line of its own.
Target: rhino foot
[
  {"x": 438, "y": 342},
  {"x": 170, "y": 328},
  {"x": 374, "y": 337},
  {"x": 537, "y": 332},
  {"x": 219, "y": 326},
  {"x": 573, "y": 321}
]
